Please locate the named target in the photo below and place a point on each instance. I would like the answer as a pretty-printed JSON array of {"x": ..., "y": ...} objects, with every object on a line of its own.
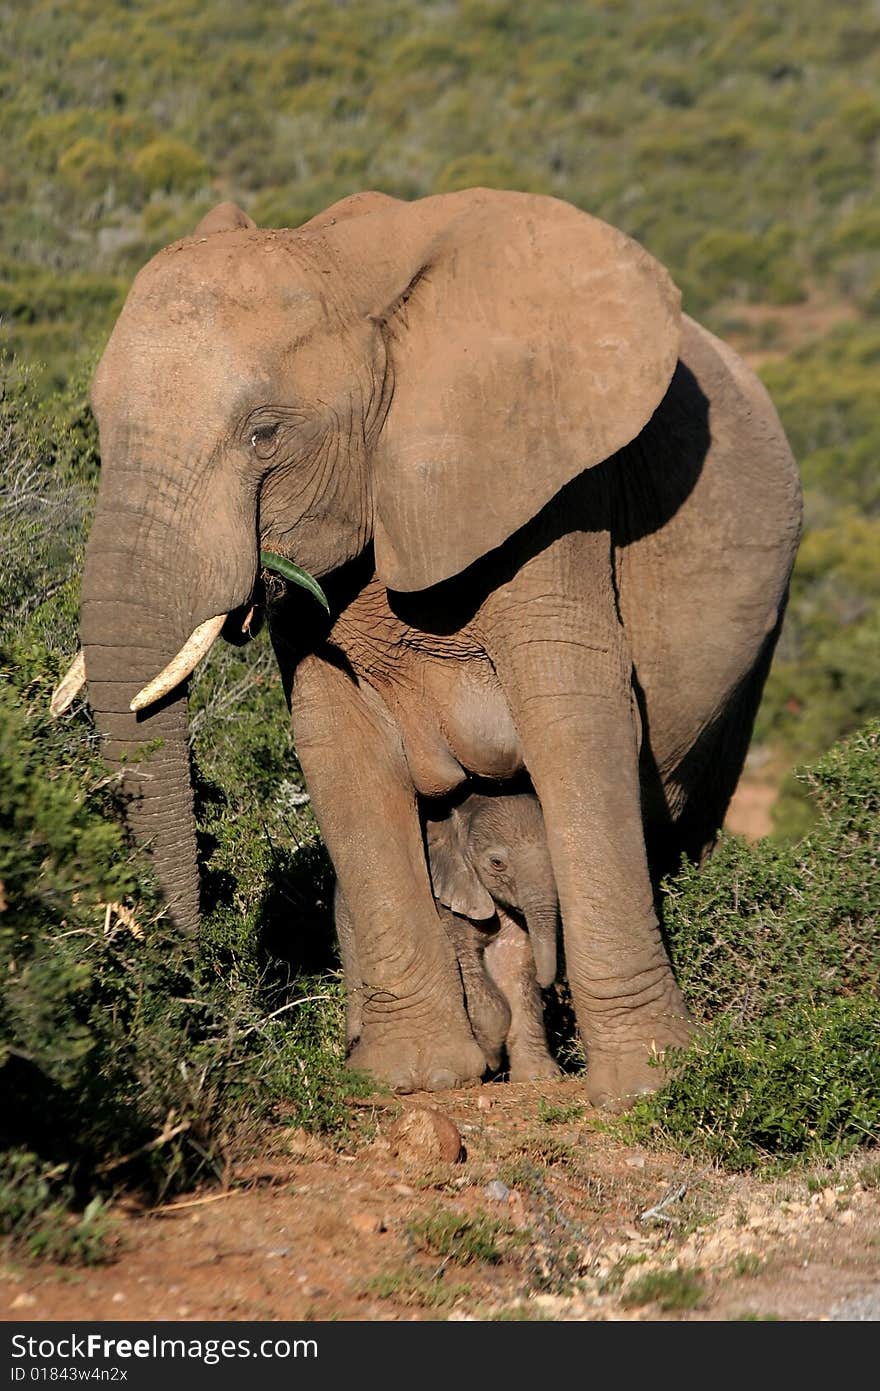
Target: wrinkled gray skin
[
  {"x": 489, "y": 861},
  {"x": 555, "y": 520}
]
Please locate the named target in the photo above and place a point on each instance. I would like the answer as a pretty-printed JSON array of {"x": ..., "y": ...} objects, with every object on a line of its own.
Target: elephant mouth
[
  {"x": 196, "y": 647},
  {"x": 237, "y": 626}
]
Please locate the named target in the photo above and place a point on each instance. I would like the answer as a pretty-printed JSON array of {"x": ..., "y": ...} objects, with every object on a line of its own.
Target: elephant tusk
[
  {"x": 69, "y": 686},
  {"x": 181, "y": 666}
]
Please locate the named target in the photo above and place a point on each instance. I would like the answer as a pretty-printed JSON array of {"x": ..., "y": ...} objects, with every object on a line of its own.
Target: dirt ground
[{"x": 546, "y": 1217}]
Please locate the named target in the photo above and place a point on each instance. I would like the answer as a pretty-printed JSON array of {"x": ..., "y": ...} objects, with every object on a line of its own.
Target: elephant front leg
[
  {"x": 511, "y": 966},
  {"x": 487, "y": 1008},
  {"x": 351, "y": 971},
  {"x": 564, "y": 665},
  {"x": 408, "y": 1005}
]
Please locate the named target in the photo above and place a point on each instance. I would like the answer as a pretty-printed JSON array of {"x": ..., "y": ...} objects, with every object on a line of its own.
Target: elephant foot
[
  {"x": 615, "y": 1079},
  {"x": 424, "y": 1064},
  {"x": 537, "y": 1068}
]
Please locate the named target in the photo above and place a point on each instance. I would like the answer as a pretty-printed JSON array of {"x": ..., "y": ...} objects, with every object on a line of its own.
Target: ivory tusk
[
  {"x": 181, "y": 666},
  {"x": 69, "y": 686}
]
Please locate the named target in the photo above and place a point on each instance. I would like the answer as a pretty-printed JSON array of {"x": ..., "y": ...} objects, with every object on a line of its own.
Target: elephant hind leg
[{"x": 708, "y": 776}]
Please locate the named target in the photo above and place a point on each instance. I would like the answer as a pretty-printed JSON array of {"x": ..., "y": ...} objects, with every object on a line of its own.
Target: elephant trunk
[
  {"x": 152, "y": 756},
  {"x": 538, "y": 902},
  {"x": 541, "y": 921},
  {"x": 147, "y": 585}
]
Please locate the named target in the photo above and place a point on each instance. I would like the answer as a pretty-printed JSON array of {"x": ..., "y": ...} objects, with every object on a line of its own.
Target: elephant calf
[
  {"x": 502, "y": 995},
  {"x": 488, "y": 860},
  {"x": 491, "y": 870}
]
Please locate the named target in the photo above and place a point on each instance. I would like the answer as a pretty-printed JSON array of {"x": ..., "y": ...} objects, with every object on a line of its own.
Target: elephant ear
[
  {"x": 226, "y": 217},
  {"x": 528, "y": 341},
  {"x": 454, "y": 881}
]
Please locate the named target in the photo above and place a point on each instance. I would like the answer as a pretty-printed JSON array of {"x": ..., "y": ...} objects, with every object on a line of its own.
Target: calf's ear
[{"x": 454, "y": 881}]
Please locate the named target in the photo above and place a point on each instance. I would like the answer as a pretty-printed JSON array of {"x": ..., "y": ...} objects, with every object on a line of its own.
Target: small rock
[
  {"x": 484, "y": 1103},
  {"x": 118, "y": 1297},
  {"x": 277, "y": 1251},
  {"x": 635, "y": 1161},
  {"x": 847, "y": 1217},
  {"x": 23, "y": 1301},
  {"x": 424, "y": 1135},
  {"x": 497, "y": 1191},
  {"x": 404, "y": 1190},
  {"x": 367, "y": 1223}
]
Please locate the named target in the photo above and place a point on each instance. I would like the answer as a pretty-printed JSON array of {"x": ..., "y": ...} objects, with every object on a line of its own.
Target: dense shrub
[
  {"x": 778, "y": 953},
  {"x": 89, "y": 166},
  {"x": 165, "y": 165}
]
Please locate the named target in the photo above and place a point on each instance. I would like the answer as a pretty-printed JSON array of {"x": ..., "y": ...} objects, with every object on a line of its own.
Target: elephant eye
[
  {"x": 264, "y": 441},
  {"x": 497, "y": 862}
]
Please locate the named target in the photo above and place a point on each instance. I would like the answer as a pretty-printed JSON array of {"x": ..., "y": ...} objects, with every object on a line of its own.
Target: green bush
[
  {"x": 741, "y": 265},
  {"x": 37, "y": 1210},
  {"x": 164, "y": 165},
  {"x": 805, "y": 1085},
  {"x": 29, "y": 295},
  {"x": 89, "y": 166},
  {"x": 778, "y": 953}
]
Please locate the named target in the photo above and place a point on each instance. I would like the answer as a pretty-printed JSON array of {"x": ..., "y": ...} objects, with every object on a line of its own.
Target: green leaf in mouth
[{"x": 286, "y": 568}]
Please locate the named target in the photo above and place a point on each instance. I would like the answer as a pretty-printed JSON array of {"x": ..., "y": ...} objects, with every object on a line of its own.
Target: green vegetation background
[{"x": 740, "y": 142}]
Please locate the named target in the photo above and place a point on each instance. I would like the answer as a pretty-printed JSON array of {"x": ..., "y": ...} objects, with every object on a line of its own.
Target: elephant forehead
[
  {"x": 242, "y": 285},
  {"x": 188, "y": 358},
  {"x": 196, "y": 326}
]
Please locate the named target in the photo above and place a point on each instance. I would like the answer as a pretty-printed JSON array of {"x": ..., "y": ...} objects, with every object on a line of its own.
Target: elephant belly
[{"x": 461, "y": 727}]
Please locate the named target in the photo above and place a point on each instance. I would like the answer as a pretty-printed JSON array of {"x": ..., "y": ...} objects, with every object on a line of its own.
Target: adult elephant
[{"x": 556, "y": 524}]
